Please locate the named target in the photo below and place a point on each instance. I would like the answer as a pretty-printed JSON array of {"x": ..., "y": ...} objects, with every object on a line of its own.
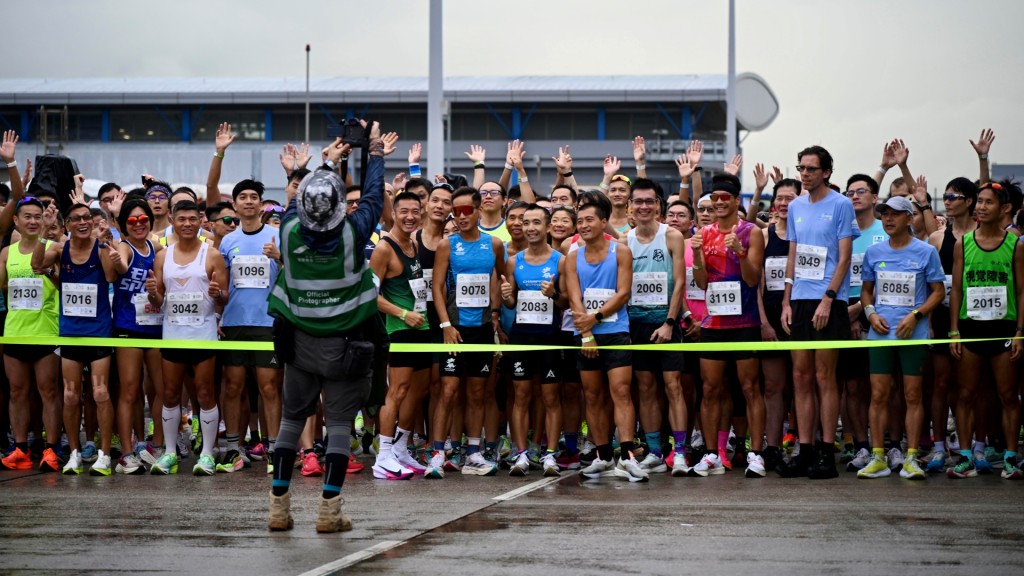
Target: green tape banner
[{"x": 400, "y": 347}]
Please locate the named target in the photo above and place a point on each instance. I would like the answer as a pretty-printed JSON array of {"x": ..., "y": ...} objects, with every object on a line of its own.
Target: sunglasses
[
  {"x": 705, "y": 209},
  {"x": 229, "y": 221},
  {"x": 953, "y": 197},
  {"x": 720, "y": 197},
  {"x": 621, "y": 178},
  {"x": 140, "y": 219},
  {"x": 81, "y": 218},
  {"x": 273, "y": 208},
  {"x": 463, "y": 210}
]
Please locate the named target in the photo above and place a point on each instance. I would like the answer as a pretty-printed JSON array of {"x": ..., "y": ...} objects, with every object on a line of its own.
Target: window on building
[
  {"x": 247, "y": 124},
  {"x": 153, "y": 124}
]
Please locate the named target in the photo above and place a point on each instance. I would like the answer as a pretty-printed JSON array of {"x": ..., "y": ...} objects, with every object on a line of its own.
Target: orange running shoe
[
  {"x": 17, "y": 460},
  {"x": 310, "y": 465},
  {"x": 354, "y": 466},
  {"x": 50, "y": 461}
]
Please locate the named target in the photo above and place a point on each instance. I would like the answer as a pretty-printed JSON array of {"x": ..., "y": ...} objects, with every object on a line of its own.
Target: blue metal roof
[{"x": 395, "y": 89}]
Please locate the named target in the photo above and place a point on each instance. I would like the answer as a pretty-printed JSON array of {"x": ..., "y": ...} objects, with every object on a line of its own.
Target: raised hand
[
  {"x": 289, "y": 158},
  {"x": 684, "y": 166},
  {"x": 8, "y": 146},
  {"x": 77, "y": 195},
  {"x": 732, "y": 241},
  {"x": 477, "y": 154},
  {"x": 563, "y": 162},
  {"x": 695, "y": 152},
  {"x": 390, "y": 140},
  {"x": 374, "y": 130},
  {"x": 984, "y": 142},
  {"x": 900, "y": 152},
  {"x": 224, "y": 137},
  {"x": 116, "y": 202},
  {"x": 415, "y": 153},
  {"x": 733, "y": 167},
  {"x": 270, "y": 249},
  {"x": 888, "y": 157},
  {"x": 612, "y": 165},
  {"x": 400, "y": 181},
  {"x": 516, "y": 149},
  {"x": 337, "y": 149},
  {"x": 760, "y": 176},
  {"x": 639, "y": 150},
  {"x": 777, "y": 175},
  {"x": 50, "y": 216},
  {"x": 302, "y": 155},
  {"x": 921, "y": 190},
  {"x": 113, "y": 255}
]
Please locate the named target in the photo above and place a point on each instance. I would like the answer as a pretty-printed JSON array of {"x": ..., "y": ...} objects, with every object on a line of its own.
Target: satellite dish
[{"x": 756, "y": 104}]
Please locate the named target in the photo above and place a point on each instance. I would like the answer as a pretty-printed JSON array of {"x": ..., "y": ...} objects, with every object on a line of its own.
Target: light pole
[
  {"x": 435, "y": 91},
  {"x": 730, "y": 89},
  {"x": 307, "y": 94}
]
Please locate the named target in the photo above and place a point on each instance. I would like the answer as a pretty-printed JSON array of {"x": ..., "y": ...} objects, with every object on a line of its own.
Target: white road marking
[
  {"x": 355, "y": 557},
  {"x": 527, "y": 489}
]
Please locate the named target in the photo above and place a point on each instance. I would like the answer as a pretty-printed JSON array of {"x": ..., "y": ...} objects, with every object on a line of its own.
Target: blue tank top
[
  {"x": 528, "y": 279},
  {"x": 84, "y": 300},
  {"x": 471, "y": 260},
  {"x": 507, "y": 316},
  {"x": 598, "y": 282},
  {"x": 130, "y": 285}
]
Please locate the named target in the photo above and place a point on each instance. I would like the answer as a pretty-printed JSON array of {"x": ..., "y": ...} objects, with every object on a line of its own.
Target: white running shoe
[
  {"x": 860, "y": 460},
  {"x": 550, "y": 465},
  {"x": 436, "y": 467},
  {"x": 697, "y": 441},
  {"x": 630, "y": 469},
  {"x": 680, "y": 467},
  {"x": 597, "y": 468},
  {"x": 521, "y": 467},
  {"x": 709, "y": 465},
  {"x": 406, "y": 460},
  {"x": 477, "y": 465},
  {"x": 387, "y": 467},
  {"x": 653, "y": 464},
  {"x": 755, "y": 466},
  {"x": 895, "y": 457}
]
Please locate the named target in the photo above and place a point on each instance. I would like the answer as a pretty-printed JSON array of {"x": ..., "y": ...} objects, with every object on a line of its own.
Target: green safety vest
[{"x": 323, "y": 294}]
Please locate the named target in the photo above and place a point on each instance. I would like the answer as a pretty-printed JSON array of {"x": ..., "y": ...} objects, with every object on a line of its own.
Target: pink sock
[{"x": 723, "y": 441}]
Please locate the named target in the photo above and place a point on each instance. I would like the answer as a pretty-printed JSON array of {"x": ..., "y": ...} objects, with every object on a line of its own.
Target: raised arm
[
  {"x": 563, "y": 165},
  {"x": 640, "y": 156},
  {"x": 8, "y": 147},
  {"x": 888, "y": 161},
  {"x": 982, "y": 146},
  {"x": 223, "y": 139},
  {"x": 526, "y": 191},
  {"x": 477, "y": 155}
]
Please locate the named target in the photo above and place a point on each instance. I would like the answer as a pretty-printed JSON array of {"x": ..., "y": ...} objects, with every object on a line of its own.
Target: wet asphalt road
[{"x": 718, "y": 525}]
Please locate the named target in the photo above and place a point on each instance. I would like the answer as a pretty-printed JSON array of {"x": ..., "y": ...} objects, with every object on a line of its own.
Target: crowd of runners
[{"x": 569, "y": 268}]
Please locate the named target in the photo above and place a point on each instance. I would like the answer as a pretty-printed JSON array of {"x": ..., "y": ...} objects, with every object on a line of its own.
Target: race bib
[
  {"x": 250, "y": 271},
  {"x": 79, "y": 299},
  {"x": 473, "y": 290},
  {"x": 420, "y": 293},
  {"x": 947, "y": 284},
  {"x": 595, "y": 298},
  {"x": 533, "y": 307},
  {"x": 896, "y": 288},
  {"x": 856, "y": 265},
  {"x": 775, "y": 273},
  {"x": 986, "y": 302},
  {"x": 185, "y": 308},
  {"x": 693, "y": 292},
  {"x": 650, "y": 289},
  {"x": 810, "y": 261},
  {"x": 25, "y": 293},
  {"x": 723, "y": 299},
  {"x": 146, "y": 314},
  {"x": 428, "y": 278}
]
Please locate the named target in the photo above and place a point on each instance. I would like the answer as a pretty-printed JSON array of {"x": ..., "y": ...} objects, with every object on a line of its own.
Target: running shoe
[
  {"x": 964, "y": 468},
  {"x": 115, "y": 446},
  {"x": 755, "y": 466},
  {"x": 455, "y": 462},
  {"x": 435, "y": 468},
  {"x": 130, "y": 464},
  {"x": 533, "y": 456},
  {"x": 935, "y": 461},
  {"x": 912, "y": 470},
  {"x": 231, "y": 462},
  {"x": 568, "y": 461},
  {"x": 981, "y": 464},
  {"x": 877, "y": 467},
  {"x": 550, "y": 464},
  {"x": 206, "y": 466},
  {"x": 166, "y": 464},
  {"x": 680, "y": 466},
  {"x": 597, "y": 468},
  {"x": 653, "y": 464},
  {"x": 587, "y": 446},
  {"x": 895, "y": 458},
  {"x": 354, "y": 466},
  {"x": 772, "y": 457},
  {"x": 147, "y": 453},
  {"x": 257, "y": 452},
  {"x": 101, "y": 467},
  {"x": 1011, "y": 471},
  {"x": 18, "y": 460},
  {"x": 386, "y": 467},
  {"x": 860, "y": 460},
  {"x": 847, "y": 454},
  {"x": 405, "y": 459},
  {"x": 994, "y": 457},
  {"x": 723, "y": 457},
  {"x": 74, "y": 465},
  {"x": 311, "y": 465},
  {"x": 50, "y": 462},
  {"x": 477, "y": 465},
  {"x": 88, "y": 453},
  {"x": 709, "y": 465},
  {"x": 504, "y": 447},
  {"x": 697, "y": 441},
  {"x": 824, "y": 468},
  {"x": 630, "y": 469},
  {"x": 521, "y": 466},
  {"x": 184, "y": 444}
]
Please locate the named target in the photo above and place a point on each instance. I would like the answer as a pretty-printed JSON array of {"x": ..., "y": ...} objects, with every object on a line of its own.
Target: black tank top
[
  {"x": 776, "y": 247},
  {"x": 426, "y": 256},
  {"x": 946, "y": 250}
]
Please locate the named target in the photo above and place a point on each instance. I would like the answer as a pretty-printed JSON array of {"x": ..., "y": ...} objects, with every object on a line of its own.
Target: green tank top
[
  {"x": 989, "y": 292},
  {"x": 33, "y": 308},
  {"x": 399, "y": 290}
]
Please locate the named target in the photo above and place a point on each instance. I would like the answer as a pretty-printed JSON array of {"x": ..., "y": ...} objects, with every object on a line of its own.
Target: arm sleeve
[{"x": 371, "y": 203}]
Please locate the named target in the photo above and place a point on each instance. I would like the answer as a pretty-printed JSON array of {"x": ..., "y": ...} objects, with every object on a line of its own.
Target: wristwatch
[
  {"x": 671, "y": 321},
  {"x": 599, "y": 316},
  {"x": 830, "y": 293},
  {"x": 917, "y": 314}
]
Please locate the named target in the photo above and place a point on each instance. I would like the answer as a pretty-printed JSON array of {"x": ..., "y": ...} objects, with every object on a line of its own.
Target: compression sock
[
  {"x": 336, "y": 465},
  {"x": 571, "y": 442},
  {"x": 171, "y": 417},
  {"x": 654, "y": 442},
  {"x": 208, "y": 421},
  {"x": 680, "y": 440}
]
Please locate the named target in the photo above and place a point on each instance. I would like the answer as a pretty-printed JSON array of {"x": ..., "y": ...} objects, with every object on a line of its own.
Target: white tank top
[{"x": 188, "y": 307}]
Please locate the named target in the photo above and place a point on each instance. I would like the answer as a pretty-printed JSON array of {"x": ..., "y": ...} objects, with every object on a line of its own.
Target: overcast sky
[{"x": 849, "y": 75}]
